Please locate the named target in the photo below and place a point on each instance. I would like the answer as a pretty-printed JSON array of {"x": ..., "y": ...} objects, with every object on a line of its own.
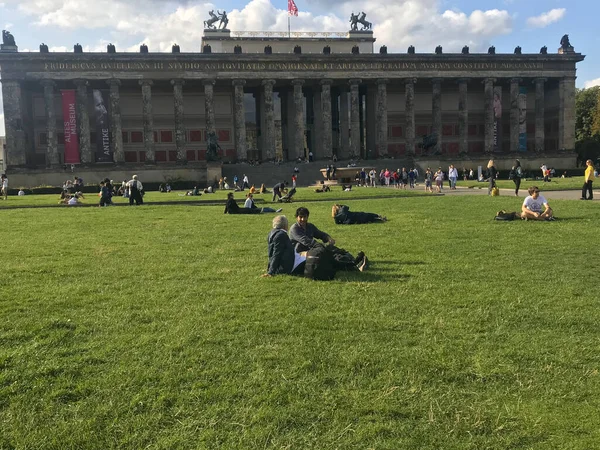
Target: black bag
[
  {"x": 503, "y": 215},
  {"x": 320, "y": 264}
]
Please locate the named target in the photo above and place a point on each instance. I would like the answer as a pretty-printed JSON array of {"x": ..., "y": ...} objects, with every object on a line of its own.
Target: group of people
[{"x": 288, "y": 251}]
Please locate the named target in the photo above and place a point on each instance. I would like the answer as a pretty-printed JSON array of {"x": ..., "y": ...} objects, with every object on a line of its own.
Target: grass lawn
[{"x": 150, "y": 327}]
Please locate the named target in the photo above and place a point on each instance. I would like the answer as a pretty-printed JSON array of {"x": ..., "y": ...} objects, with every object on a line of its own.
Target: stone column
[
  {"x": 540, "y": 105},
  {"x": 180, "y": 140},
  {"x": 514, "y": 114},
  {"x": 52, "y": 158},
  {"x": 148, "y": 120},
  {"x": 344, "y": 126},
  {"x": 298, "y": 143},
  {"x": 116, "y": 129},
  {"x": 381, "y": 115},
  {"x": 239, "y": 120},
  {"x": 488, "y": 114},
  {"x": 209, "y": 105},
  {"x": 463, "y": 116},
  {"x": 83, "y": 122},
  {"x": 354, "y": 119},
  {"x": 436, "y": 112},
  {"x": 269, "y": 111},
  {"x": 13, "y": 119},
  {"x": 327, "y": 135},
  {"x": 409, "y": 93},
  {"x": 566, "y": 114}
]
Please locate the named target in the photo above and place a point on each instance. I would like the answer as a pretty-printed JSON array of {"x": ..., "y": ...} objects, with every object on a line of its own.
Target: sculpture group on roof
[
  {"x": 355, "y": 19},
  {"x": 7, "y": 38},
  {"x": 222, "y": 16}
]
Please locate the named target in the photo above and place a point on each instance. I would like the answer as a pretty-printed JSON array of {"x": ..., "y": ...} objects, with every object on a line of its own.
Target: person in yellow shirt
[{"x": 586, "y": 191}]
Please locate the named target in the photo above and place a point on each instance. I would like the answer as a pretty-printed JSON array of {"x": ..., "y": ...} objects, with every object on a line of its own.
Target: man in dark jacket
[
  {"x": 277, "y": 190},
  {"x": 231, "y": 207},
  {"x": 282, "y": 257}
]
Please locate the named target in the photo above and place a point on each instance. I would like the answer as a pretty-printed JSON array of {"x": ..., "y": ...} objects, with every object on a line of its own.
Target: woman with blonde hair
[
  {"x": 491, "y": 175},
  {"x": 342, "y": 216},
  {"x": 586, "y": 191}
]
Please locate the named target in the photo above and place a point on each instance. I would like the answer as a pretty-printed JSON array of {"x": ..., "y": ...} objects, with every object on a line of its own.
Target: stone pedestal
[
  {"x": 180, "y": 141},
  {"x": 239, "y": 120},
  {"x": 83, "y": 122},
  {"x": 148, "y": 119},
  {"x": 116, "y": 129}
]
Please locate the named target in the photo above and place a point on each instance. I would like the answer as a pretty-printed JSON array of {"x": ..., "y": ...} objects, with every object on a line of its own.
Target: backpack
[
  {"x": 495, "y": 192},
  {"x": 503, "y": 215},
  {"x": 319, "y": 264}
]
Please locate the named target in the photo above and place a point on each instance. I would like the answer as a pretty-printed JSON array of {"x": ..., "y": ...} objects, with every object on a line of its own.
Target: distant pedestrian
[
  {"x": 4, "y": 186},
  {"x": 588, "y": 181},
  {"x": 135, "y": 191}
]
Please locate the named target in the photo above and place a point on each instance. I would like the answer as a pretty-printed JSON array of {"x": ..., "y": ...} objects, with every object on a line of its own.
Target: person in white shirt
[
  {"x": 452, "y": 176},
  {"x": 535, "y": 206},
  {"x": 21, "y": 192},
  {"x": 135, "y": 191},
  {"x": 4, "y": 186}
]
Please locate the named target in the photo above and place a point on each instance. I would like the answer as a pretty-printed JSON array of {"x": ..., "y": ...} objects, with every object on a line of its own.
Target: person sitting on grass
[
  {"x": 532, "y": 206},
  {"x": 303, "y": 236},
  {"x": 282, "y": 257},
  {"x": 342, "y": 216},
  {"x": 251, "y": 205}
]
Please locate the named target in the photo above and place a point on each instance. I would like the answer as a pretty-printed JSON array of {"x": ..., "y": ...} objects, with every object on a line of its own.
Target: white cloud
[
  {"x": 159, "y": 24},
  {"x": 8, "y": 26},
  {"x": 545, "y": 19},
  {"x": 591, "y": 83}
]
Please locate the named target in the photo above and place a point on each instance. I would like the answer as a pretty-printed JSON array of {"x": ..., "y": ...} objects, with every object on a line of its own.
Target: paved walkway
[{"x": 550, "y": 195}]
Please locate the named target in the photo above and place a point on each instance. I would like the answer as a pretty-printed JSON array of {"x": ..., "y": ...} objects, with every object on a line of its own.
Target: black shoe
[
  {"x": 359, "y": 258},
  {"x": 364, "y": 265}
]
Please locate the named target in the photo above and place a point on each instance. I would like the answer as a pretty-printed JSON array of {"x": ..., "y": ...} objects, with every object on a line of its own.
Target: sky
[{"x": 425, "y": 24}]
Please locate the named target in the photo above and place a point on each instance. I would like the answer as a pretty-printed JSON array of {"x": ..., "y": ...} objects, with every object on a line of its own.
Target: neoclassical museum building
[{"x": 277, "y": 96}]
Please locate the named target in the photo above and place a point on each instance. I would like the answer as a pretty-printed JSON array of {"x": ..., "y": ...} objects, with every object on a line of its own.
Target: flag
[{"x": 292, "y": 8}]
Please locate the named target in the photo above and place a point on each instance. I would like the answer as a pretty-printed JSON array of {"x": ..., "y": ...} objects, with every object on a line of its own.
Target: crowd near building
[{"x": 278, "y": 97}]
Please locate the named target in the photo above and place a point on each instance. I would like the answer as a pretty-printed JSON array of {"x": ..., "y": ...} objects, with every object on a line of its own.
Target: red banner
[
  {"x": 292, "y": 8},
  {"x": 70, "y": 123}
]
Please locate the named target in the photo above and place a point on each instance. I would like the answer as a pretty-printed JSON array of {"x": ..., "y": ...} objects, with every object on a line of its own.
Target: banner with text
[
  {"x": 522, "y": 105},
  {"x": 70, "y": 127},
  {"x": 497, "y": 105},
  {"x": 103, "y": 148}
]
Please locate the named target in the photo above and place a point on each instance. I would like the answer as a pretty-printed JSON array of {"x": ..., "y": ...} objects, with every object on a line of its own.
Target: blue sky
[{"x": 397, "y": 24}]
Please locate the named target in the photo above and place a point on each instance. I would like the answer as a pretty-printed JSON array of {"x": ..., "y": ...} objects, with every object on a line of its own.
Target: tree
[{"x": 587, "y": 113}]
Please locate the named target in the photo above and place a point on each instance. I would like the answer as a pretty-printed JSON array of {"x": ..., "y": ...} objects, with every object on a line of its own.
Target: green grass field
[{"x": 150, "y": 327}]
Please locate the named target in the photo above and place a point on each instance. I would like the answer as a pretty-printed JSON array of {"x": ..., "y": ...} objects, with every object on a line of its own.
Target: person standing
[
  {"x": 586, "y": 191},
  {"x": 277, "y": 190},
  {"x": 294, "y": 179},
  {"x": 373, "y": 178},
  {"x": 245, "y": 183},
  {"x": 491, "y": 175},
  {"x": 4, "y": 186},
  {"x": 517, "y": 175},
  {"x": 544, "y": 170},
  {"x": 452, "y": 176},
  {"x": 135, "y": 191}
]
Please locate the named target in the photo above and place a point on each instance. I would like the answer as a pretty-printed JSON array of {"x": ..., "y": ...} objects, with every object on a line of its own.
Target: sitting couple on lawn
[{"x": 300, "y": 253}]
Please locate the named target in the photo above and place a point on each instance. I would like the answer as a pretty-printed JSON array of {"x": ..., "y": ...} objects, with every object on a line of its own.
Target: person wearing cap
[{"x": 532, "y": 206}]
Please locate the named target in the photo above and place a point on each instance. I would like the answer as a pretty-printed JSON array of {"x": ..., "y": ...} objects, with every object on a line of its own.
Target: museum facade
[{"x": 263, "y": 97}]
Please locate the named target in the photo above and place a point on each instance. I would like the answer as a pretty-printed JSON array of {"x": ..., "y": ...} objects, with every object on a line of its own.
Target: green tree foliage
[{"x": 588, "y": 113}]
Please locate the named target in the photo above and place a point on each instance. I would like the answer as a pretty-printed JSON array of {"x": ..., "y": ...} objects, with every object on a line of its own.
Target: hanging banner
[
  {"x": 71, "y": 155},
  {"x": 522, "y": 105},
  {"x": 103, "y": 147},
  {"x": 497, "y": 105}
]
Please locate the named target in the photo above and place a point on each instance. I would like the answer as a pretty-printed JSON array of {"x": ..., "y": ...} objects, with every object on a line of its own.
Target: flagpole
[{"x": 289, "y": 29}]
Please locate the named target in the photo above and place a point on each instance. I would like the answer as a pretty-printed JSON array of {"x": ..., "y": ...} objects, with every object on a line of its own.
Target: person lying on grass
[
  {"x": 283, "y": 260},
  {"x": 303, "y": 234},
  {"x": 532, "y": 206},
  {"x": 342, "y": 216},
  {"x": 251, "y": 205}
]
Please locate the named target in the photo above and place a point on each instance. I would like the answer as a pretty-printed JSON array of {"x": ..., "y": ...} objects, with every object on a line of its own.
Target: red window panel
[
  {"x": 401, "y": 149},
  {"x": 131, "y": 157},
  {"x": 191, "y": 155},
  {"x": 142, "y": 156},
  {"x": 125, "y": 135},
  {"x": 447, "y": 130},
  {"x": 422, "y": 130},
  {"x": 160, "y": 156},
  {"x": 452, "y": 148},
  {"x": 195, "y": 136},
  {"x": 173, "y": 155},
  {"x": 530, "y": 128},
  {"x": 476, "y": 147},
  {"x": 396, "y": 131},
  {"x": 472, "y": 130},
  {"x": 201, "y": 155},
  {"x": 137, "y": 137},
  {"x": 166, "y": 136},
  {"x": 223, "y": 135}
]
